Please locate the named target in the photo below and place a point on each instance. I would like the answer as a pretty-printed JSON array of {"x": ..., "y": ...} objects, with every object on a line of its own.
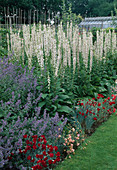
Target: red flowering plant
[
  {"x": 37, "y": 154},
  {"x": 95, "y": 110},
  {"x": 113, "y": 90}
]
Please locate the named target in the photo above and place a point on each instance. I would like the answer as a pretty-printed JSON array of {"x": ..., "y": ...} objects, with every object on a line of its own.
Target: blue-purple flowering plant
[
  {"x": 12, "y": 133},
  {"x": 19, "y": 95}
]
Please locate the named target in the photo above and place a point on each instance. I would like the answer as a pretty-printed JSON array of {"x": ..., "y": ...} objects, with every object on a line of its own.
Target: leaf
[
  {"x": 41, "y": 104},
  {"x": 1, "y": 115},
  {"x": 38, "y": 87},
  {"x": 65, "y": 109},
  {"x": 64, "y": 97},
  {"x": 59, "y": 123},
  {"x": 44, "y": 96},
  {"x": 68, "y": 102},
  {"x": 102, "y": 89},
  {"x": 54, "y": 108}
]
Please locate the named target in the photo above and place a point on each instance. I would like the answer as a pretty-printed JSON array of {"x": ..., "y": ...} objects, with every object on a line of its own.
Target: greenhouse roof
[{"x": 98, "y": 21}]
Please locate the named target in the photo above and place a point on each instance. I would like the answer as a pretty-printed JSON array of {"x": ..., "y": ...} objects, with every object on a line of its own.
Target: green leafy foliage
[{"x": 3, "y": 42}]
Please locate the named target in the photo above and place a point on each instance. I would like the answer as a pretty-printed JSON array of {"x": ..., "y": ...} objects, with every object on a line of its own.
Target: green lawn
[{"x": 100, "y": 153}]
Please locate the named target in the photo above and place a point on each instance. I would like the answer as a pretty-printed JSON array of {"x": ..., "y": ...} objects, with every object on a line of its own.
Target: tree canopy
[{"x": 86, "y": 8}]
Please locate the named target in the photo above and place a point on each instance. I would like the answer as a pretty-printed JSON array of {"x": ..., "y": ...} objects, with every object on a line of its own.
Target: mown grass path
[{"x": 100, "y": 153}]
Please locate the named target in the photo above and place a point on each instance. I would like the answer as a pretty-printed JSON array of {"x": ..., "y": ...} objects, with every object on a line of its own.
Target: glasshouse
[{"x": 100, "y": 22}]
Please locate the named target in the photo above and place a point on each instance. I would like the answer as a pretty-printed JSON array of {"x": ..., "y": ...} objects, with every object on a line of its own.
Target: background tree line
[{"x": 86, "y": 8}]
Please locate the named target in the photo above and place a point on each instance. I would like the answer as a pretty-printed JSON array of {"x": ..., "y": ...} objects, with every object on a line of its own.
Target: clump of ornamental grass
[
  {"x": 11, "y": 139},
  {"x": 95, "y": 110},
  {"x": 36, "y": 154}
]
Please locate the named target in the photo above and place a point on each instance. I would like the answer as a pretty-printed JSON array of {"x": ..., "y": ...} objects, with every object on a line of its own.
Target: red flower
[
  {"x": 99, "y": 104},
  {"x": 103, "y": 107},
  {"x": 29, "y": 157},
  {"x": 39, "y": 161},
  {"x": 51, "y": 155},
  {"x": 39, "y": 144},
  {"x": 55, "y": 148},
  {"x": 24, "y": 136},
  {"x": 114, "y": 98},
  {"x": 95, "y": 118},
  {"x": 100, "y": 95},
  {"x": 87, "y": 111},
  {"x": 9, "y": 157},
  {"x": 50, "y": 162},
  {"x": 58, "y": 159},
  {"x": 27, "y": 142},
  {"x": 85, "y": 117},
  {"x": 98, "y": 109},
  {"x": 97, "y": 115},
  {"x": 37, "y": 155},
  {"x": 12, "y": 153},
  {"x": 43, "y": 136},
  {"x": 58, "y": 154},
  {"x": 43, "y": 146},
  {"x": 82, "y": 104},
  {"x": 44, "y": 163},
  {"x": 25, "y": 151},
  {"x": 37, "y": 167},
  {"x": 93, "y": 113},
  {"x": 34, "y": 147},
  {"x": 33, "y": 160},
  {"x": 82, "y": 114},
  {"x": 40, "y": 139},
  {"x": 54, "y": 161},
  {"x": 114, "y": 110},
  {"x": 45, "y": 159},
  {"x": 108, "y": 98},
  {"x": 48, "y": 146},
  {"x": 93, "y": 98},
  {"x": 44, "y": 153},
  {"x": 34, "y": 140},
  {"x": 51, "y": 149},
  {"x": 45, "y": 141},
  {"x": 41, "y": 156},
  {"x": 28, "y": 147},
  {"x": 20, "y": 151},
  {"x": 34, "y": 136}
]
